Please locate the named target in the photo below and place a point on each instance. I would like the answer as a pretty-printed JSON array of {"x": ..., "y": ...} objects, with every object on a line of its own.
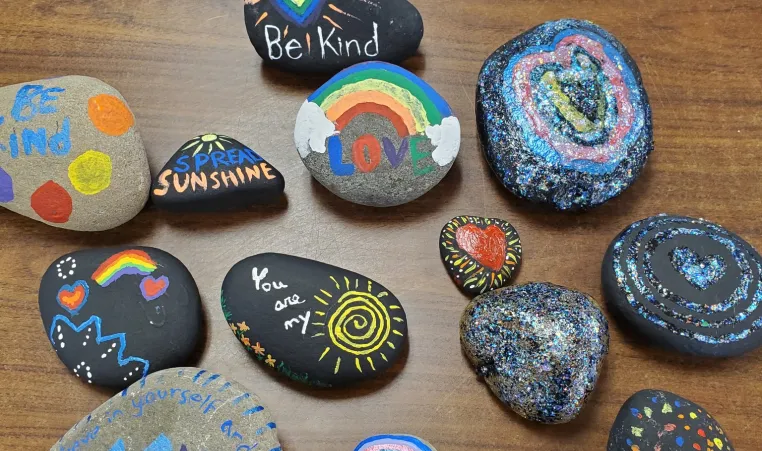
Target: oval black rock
[
  {"x": 316, "y": 323},
  {"x": 654, "y": 419},
  {"x": 686, "y": 284},
  {"x": 563, "y": 116},
  {"x": 215, "y": 172},
  {"x": 114, "y": 315},
  {"x": 322, "y": 36}
]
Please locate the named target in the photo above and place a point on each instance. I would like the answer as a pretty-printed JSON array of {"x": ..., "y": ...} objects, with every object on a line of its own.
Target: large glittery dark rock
[
  {"x": 563, "y": 115},
  {"x": 480, "y": 254},
  {"x": 660, "y": 420},
  {"x": 327, "y": 36},
  {"x": 376, "y": 134},
  {"x": 314, "y": 322},
  {"x": 178, "y": 409},
  {"x": 394, "y": 442},
  {"x": 215, "y": 172},
  {"x": 686, "y": 284},
  {"x": 114, "y": 315},
  {"x": 540, "y": 348}
]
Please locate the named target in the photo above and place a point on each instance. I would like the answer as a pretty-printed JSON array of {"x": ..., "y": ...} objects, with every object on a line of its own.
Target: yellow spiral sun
[{"x": 358, "y": 323}]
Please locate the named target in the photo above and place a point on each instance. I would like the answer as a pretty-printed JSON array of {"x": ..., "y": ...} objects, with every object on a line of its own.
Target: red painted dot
[
  {"x": 697, "y": 446},
  {"x": 52, "y": 203},
  {"x": 701, "y": 432}
]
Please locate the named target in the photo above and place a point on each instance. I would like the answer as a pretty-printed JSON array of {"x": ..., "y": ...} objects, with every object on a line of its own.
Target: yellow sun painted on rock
[
  {"x": 208, "y": 143},
  {"x": 357, "y": 323}
]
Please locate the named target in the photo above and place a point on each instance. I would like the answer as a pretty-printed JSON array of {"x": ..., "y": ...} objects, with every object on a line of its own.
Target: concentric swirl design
[
  {"x": 663, "y": 273},
  {"x": 360, "y": 325}
]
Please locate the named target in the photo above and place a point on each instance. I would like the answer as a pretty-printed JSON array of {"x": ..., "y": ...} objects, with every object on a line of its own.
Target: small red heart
[
  {"x": 153, "y": 288},
  {"x": 73, "y": 297},
  {"x": 486, "y": 246}
]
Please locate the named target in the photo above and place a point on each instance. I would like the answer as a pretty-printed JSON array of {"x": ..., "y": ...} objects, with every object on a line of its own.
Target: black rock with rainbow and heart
[{"x": 114, "y": 315}]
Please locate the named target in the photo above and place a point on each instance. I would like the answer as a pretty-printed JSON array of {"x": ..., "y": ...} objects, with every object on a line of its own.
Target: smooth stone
[
  {"x": 655, "y": 419},
  {"x": 540, "y": 348},
  {"x": 180, "y": 409},
  {"x": 70, "y": 155},
  {"x": 392, "y": 141},
  {"x": 314, "y": 322},
  {"x": 321, "y": 36},
  {"x": 215, "y": 172},
  {"x": 114, "y": 315},
  {"x": 563, "y": 116},
  {"x": 394, "y": 442},
  {"x": 685, "y": 284},
  {"x": 480, "y": 254}
]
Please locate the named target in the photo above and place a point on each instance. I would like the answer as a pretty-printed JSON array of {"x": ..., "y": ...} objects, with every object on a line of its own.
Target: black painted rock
[
  {"x": 563, "y": 115},
  {"x": 178, "y": 409},
  {"x": 540, "y": 348},
  {"x": 686, "y": 284},
  {"x": 114, "y": 315},
  {"x": 376, "y": 134},
  {"x": 660, "y": 420},
  {"x": 394, "y": 442},
  {"x": 329, "y": 35},
  {"x": 480, "y": 254},
  {"x": 216, "y": 172},
  {"x": 317, "y": 323}
]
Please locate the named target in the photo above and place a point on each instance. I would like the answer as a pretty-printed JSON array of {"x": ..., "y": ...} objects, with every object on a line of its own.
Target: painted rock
[
  {"x": 375, "y": 134},
  {"x": 179, "y": 409},
  {"x": 394, "y": 443},
  {"x": 314, "y": 322},
  {"x": 653, "y": 419},
  {"x": 216, "y": 172},
  {"x": 114, "y": 315},
  {"x": 563, "y": 116},
  {"x": 327, "y": 36},
  {"x": 686, "y": 284},
  {"x": 480, "y": 254},
  {"x": 540, "y": 348},
  {"x": 70, "y": 155}
]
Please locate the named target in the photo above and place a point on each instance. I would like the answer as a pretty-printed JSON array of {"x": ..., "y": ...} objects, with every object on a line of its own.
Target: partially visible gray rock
[{"x": 181, "y": 409}]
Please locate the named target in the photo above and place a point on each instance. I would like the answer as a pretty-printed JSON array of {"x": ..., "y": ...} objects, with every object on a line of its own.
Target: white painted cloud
[
  {"x": 312, "y": 129},
  {"x": 446, "y": 138}
]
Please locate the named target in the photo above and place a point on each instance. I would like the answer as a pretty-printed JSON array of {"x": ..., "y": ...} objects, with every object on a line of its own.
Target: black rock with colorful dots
[
  {"x": 114, "y": 315},
  {"x": 660, "y": 420},
  {"x": 314, "y": 322},
  {"x": 480, "y": 254}
]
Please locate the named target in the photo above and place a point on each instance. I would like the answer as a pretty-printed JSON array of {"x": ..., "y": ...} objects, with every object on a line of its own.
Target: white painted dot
[
  {"x": 60, "y": 336},
  {"x": 59, "y": 328},
  {"x": 136, "y": 368},
  {"x": 68, "y": 259},
  {"x": 64, "y": 277},
  {"x": 130, "y": 374},
  {"x": 87, "y": 368},
  {"x": 58, "y": 265},
  {"x": 61, "y": 262},
  {"x": 63, "y": 344},
  {"x": 89, "y": 374},
  {"x": 74, "y": 265},
  {"x": 89, "y": 329},
  {"x": 125, "y": 378},
  {"x": 75, "y": 369},
  {"x": 110, "y": 350},
  {"x": 71, "y": 273},
  {"x": 87, "y": 336},
  {"x": 89, "y": 382},
  {"x": 84, "y": 343},
  {"x": 103, "y": 356},
  {"x": 83, "y": 363},
  {"x": 113, "y": 345}
]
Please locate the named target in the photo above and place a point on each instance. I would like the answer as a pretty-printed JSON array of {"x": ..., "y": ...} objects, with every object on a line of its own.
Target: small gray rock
[
  {"x": 177, "y": 409},
  {"x": 375, "y": 134},
  {"x": 540, "y": 348},
  {"x": 70, "y": 155}
]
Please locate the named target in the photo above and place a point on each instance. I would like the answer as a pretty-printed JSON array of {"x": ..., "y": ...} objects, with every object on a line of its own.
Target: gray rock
[
  {"x": 70, "y": 155},
  {"x": 177, "y": 409},
  {"x": 375, "y": 134},
  {"x": 540, "y": 348}
]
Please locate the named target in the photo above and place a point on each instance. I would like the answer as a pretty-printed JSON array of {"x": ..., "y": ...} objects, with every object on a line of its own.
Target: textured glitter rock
[
  {"x": 178, "y": 409},
  {"x": 540, "y": 348},
  {"x": 480, "y": 254},
  {"x": 563, "y": 115},
  {"x": 376, "y": 134},
  {"x": 660, "y": 420},
  {"x": 686, "y": 284}
]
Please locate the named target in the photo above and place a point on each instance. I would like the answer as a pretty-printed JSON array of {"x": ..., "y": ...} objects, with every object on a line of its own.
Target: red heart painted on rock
[
  {"x": 153, "y": 288},
  {"x": 73, "y": 297},
  {"x": 486, "y": 246}
]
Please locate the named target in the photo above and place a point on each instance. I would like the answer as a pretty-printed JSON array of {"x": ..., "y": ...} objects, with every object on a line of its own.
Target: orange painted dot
[
  {"x": 687, "y": 428},
  {"x": 635, "y": 448},
  {"x": 52, "y": 203},
  {"x": 110, "y": 115},
  {"x": 701, "y": 433},
  {"x": 681, "y": 416},
  {"x": 697, "y": 446}
]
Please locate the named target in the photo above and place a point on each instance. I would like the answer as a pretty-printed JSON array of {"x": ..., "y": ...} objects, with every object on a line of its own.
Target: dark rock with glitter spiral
[
  {"x": 540, "y": 348},
  {"x": 686, "y": 284},
  {"x": 563, "y": 116}
]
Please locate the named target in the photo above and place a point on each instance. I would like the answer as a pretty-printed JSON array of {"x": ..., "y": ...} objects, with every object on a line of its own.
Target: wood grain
[{"x": 186, "y": 67}]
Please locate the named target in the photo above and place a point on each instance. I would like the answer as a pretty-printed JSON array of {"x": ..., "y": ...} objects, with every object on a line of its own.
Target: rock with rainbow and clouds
[
  {"x": 563, "y": 115},
  {"x": 376, "y": 134},
  {"x": 329, "y": 35},
  {"x": 114, "y": 315}
]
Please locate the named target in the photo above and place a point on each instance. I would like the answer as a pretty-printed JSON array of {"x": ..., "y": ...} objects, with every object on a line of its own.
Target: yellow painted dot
[
  {"x": 719, "y": 443},
  {"x": 209, "y": 138},
  {"x": 693, "y": 415},
  {"x": 666, "y": 408},
  {"x": 648, "y": 411},
  {"x": 637, "y": 432},
  {"x": 90, "y": 173}
]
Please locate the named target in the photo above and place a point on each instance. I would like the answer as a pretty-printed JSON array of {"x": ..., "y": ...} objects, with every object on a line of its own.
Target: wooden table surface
[{"x": 187, "y": 67}]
